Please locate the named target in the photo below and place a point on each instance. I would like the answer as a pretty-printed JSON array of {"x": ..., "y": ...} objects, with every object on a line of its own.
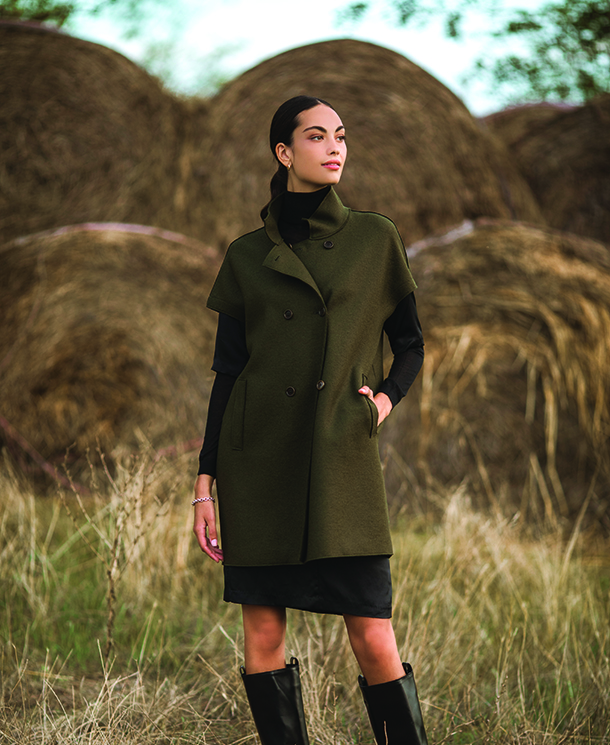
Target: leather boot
[
  {"x": 277, "y": 705},
  {"x": 394, "y": 710}
]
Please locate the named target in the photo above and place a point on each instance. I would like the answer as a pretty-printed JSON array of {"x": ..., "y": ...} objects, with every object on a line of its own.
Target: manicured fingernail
[{"x": 214, "y": 542}]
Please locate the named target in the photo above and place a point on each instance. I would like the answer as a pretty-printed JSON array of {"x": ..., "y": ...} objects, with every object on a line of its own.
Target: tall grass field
[{"x": 114, "y": 631}]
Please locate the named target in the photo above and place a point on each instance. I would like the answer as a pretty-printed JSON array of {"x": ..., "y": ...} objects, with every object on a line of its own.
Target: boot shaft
[
  {"x": 276, "y": 702},
  {"x": 394, "y": 710}
]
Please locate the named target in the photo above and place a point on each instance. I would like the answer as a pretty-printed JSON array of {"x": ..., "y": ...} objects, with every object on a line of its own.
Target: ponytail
[
  {"x": 279, "y": 182},
  {"x": 278, "y": 185}
]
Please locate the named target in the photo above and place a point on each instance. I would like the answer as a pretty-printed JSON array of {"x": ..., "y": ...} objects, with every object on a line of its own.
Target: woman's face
[{"x": 318, "y": 151}]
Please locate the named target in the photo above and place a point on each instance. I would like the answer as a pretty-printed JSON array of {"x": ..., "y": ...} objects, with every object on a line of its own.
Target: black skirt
[{"x": 353, "y": 585}]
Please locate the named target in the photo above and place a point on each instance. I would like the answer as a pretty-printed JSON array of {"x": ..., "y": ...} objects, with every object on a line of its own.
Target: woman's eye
[{"x": 317, "y": 137}]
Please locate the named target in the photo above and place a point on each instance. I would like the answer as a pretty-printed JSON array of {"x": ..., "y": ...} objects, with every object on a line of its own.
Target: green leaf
[{"x": 452, "y": 25}]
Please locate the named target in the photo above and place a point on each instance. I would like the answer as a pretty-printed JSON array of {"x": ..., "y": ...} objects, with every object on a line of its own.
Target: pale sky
[{"x": 195, "y": 39}]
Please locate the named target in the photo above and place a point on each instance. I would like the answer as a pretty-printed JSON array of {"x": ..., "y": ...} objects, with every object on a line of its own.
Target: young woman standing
[{"x": 291, "y": 436}]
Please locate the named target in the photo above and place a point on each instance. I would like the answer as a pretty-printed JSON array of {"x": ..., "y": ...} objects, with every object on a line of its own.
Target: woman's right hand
[{"x": 205, "y": 519}]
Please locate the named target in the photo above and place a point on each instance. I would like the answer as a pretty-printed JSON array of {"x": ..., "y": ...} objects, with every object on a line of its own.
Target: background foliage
[
  {"x": 559, "y": 52},
  {"x": 58, "y": 12}
]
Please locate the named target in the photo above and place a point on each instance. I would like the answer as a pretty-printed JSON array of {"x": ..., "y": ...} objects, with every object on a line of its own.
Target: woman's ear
[{"x": 283, "y": 154}]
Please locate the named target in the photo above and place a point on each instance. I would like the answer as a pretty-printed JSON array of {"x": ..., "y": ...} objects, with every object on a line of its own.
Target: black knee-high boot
[
  {"x": 394, "y": 710},
  {"x": 277, "y": 705}
]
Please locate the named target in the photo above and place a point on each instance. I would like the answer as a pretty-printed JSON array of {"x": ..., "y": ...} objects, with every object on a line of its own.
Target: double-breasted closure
[{"x": 299, "y": 475}]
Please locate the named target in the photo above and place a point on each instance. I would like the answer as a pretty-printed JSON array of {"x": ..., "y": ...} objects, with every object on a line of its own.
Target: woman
[{"x": 291, "y": 436}]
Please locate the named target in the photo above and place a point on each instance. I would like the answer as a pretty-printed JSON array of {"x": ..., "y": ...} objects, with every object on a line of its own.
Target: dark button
[
  {"x": 322, "y": 312},
  {"x": 288, "y": 314},
  {"x": 320, "y": 384},
  {"x": 290, "y": 391},
  {"x": 328, "y": 244}
]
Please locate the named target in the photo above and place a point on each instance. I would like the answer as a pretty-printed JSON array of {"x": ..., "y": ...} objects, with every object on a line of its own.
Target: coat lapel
[{"x": 283, "y": 259}]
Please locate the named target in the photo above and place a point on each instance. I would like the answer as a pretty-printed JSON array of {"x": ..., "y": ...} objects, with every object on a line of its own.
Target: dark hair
[{"x": 283, "y": 124}]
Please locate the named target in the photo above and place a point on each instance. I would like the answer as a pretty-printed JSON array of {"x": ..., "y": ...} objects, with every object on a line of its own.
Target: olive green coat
[{"x": 298, "y": 471}]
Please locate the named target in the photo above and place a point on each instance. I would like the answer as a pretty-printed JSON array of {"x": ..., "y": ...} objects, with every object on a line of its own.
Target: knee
[
  {"x": 372, "y": 636},
  {"x": 265, "y": 631},
  {"x": 267, "y": 637}
]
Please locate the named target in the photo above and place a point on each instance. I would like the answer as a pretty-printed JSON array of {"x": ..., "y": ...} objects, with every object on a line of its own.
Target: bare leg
[
  {"x": 264, "y": 638},
  {"x": 374, "y": 645}
]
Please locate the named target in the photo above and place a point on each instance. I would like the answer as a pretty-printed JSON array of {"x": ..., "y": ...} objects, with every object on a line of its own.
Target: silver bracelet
[{"x": 203, "y": 499}]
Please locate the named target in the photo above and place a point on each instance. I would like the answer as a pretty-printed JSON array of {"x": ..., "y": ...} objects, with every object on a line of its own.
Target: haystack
[
  {"x": 516, "y": 122},
  {"x": 87, "y": 135},
  {"x": 414, "y": 151},
  {"x": 514, "y": 396},
  {"x": 105, "y": 336},
  {"x": 565, "y": 158}
]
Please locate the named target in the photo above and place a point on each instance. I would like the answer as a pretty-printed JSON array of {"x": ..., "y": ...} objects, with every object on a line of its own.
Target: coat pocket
[
  {"x": 238, "y": 415},
  {"x": 373, "y": 411}
]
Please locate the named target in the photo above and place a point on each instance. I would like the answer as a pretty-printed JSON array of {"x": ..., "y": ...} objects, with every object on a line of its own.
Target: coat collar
[{"x": 330, "y": 217}]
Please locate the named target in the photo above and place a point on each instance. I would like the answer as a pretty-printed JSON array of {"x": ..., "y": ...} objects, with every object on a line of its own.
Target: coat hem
[{"x": 387, "y": 554}]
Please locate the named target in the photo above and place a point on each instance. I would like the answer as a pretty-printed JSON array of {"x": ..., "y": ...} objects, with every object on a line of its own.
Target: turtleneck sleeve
[
  {"x": 407, "y": 343},
  {"x": 230, "y": 358}
]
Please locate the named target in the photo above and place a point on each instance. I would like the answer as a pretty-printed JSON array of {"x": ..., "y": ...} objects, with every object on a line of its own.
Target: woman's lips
[{"x": 334, "y": 165}]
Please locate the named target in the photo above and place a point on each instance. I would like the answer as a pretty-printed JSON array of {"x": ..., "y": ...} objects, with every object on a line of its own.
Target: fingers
[
  {"x": 206, "y": 546},
  {"x": 214, "y": 553},
  {"x": 205, "y": 530},
  {"x": 212, "y": 535},
  {"x": 381, "y": 401}
]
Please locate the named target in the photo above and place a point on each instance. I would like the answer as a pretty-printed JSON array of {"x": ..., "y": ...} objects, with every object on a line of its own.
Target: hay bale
[
  {"x": 565, "y": 158},
  {"x": 514, "y": 393},
  {"x": 87, "y": 135},
  {"x": 515, "y": 122},
  {"x": 105, "y": 334},
  {"x": 415, "y": 152}
]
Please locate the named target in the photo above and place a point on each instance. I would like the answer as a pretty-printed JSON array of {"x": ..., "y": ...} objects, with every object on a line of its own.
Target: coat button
[
  {"x": 320, "y": 384},
  {"x": 328, "y": 244},
  {"x": 290, "y": 391},
  {"x": 288, "y": 314},
  {"x": 322, "y": 312}
]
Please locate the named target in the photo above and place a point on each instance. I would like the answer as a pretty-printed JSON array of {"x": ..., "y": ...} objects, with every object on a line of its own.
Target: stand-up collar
[{"x": 330, "y": 217}]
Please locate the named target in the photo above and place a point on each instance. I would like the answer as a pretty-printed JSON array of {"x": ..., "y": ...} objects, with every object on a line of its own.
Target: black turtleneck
[
  {"x": 231, "y": 354},
  {"x": 297, "y": 208}
]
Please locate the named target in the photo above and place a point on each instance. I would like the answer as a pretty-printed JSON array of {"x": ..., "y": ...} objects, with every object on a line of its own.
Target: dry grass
[{"x": 510, "y": 639}]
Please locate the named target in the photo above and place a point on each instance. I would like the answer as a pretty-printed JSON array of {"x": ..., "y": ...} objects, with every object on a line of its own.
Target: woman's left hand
[{"x": 381, "y": 401}]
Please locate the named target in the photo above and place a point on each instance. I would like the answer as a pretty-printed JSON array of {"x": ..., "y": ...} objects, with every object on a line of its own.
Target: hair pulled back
[{"x": 283, "y": 124}]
